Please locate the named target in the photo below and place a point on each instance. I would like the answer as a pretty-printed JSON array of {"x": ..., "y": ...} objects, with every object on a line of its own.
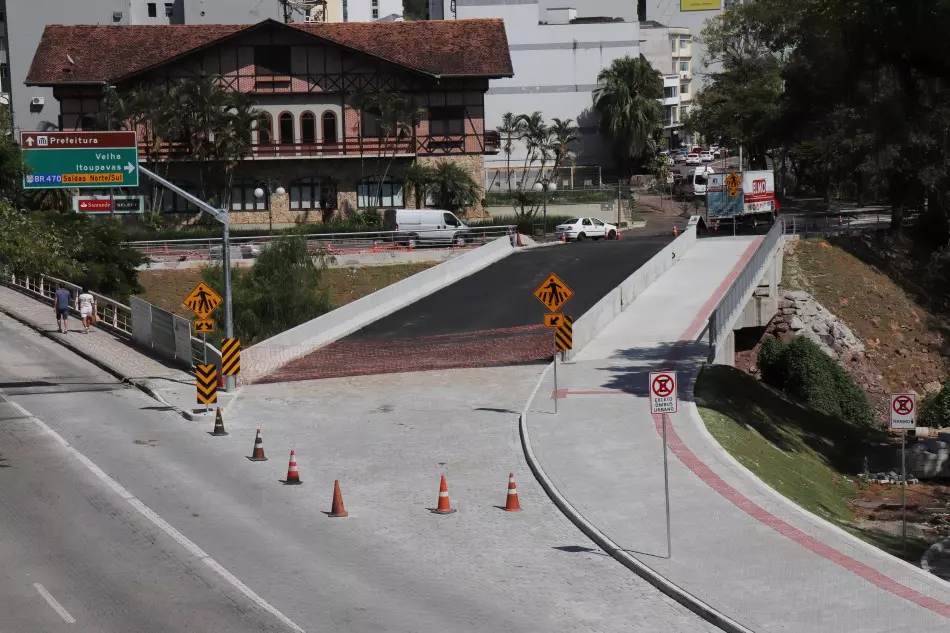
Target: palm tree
[
  {"x": 51, "y": 199},
  {"x": 510, "y": 130},
  {"x": 627, "y": 99},
  {"x": 536, "y": 138},
  {"x": 454, "y": 188},
  {"x": 563, "y": 133},
  {"x": 419, "y": 178}
]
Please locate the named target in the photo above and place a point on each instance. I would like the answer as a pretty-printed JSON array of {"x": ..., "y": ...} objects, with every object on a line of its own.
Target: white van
[
  {"x": 415, "y": 226},
  {"x": 694, "y": 184}
]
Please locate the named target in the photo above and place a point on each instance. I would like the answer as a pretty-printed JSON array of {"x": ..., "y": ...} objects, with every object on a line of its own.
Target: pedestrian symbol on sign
[
  {"x": 553, "y": 293},
  {"x": 203, "y": 300}
]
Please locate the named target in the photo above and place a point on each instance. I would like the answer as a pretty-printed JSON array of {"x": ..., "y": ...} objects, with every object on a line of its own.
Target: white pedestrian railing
[
  {"x": 742, "y": 288},
  {"x": 113, "y": 316}
]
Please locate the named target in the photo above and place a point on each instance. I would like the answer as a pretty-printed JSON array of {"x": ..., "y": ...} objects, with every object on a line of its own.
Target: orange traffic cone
[
  {"x": 840, "y": 220},
  {"x": 444, "y": 506},
  {"x": 336, "y": 506},
  {"x": 676, "y": 231},
  {"x": 564, "y": 237},
  {"x": 258, "y": 454},
  {"x": 293, "y": 478},
  {"x": 512, "y": 504}
]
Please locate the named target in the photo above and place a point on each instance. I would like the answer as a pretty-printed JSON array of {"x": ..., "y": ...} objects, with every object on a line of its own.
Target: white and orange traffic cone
[
  {"x": 336, "y": 506},
  {"x": 840, "y": 220},
  {"x": 258, "y": 454},
  {"x": 512, "y": 504},
  {"x": 564, "y": 237},
  {"x": 676, "y": 231},
  {"x": 444, "y": 506},
  {"x": 293, "y": 477}
]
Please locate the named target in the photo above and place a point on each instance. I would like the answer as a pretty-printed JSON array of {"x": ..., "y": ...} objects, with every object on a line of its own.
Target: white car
[
  {"x": 706, "y": 157},
  {"x": 694, "y": 159},
  {"x": 580, "y": 229}
]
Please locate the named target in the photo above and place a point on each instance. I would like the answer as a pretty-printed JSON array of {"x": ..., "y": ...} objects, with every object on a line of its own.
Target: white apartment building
[
  {"x": 693, "y": 18},
  {"x": 670, "y": 50},
  {"x": 557, "y": 49}
]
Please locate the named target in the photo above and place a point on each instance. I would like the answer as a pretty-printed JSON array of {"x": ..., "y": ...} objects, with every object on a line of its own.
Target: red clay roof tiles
[{"x": 98, "y": 54}]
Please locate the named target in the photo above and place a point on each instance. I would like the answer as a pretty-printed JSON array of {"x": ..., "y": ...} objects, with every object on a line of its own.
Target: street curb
[
  {"x": 824, "y": 524},
  {"x": 141, "y": 386},
  {"x": 666, "y": 587}
]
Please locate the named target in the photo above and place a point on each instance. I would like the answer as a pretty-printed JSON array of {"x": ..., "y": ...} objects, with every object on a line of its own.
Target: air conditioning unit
[{"x": 37, "y": 101}]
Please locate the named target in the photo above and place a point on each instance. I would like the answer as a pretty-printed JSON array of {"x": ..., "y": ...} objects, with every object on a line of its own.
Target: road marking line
[
  {"x": 57, "y": 607},
  {"x": 159, "y": 522}
]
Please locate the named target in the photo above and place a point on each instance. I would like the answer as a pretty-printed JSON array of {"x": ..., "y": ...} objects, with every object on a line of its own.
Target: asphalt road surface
[
  {"x": 145, "y": 523},
  {"x": 489, "y": 318}
]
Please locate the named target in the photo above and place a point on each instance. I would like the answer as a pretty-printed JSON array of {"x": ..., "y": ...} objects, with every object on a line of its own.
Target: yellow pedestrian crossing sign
[
  {"x": 203, "y": 300},
  {"x": 553, "y": 293}
]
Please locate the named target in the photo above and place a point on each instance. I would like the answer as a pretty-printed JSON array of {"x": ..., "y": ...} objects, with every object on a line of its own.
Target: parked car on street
[
  {"x": 417, "y": 226},
  {"x": 580, "y": 229},
  {"x": 706, "y": 157},
  {"x": 679, "y": 157},
  {"x": 693, "y": 159}
]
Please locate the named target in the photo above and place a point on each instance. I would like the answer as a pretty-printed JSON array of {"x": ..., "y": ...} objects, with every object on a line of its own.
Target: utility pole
[{"x": 221, "y": 215}]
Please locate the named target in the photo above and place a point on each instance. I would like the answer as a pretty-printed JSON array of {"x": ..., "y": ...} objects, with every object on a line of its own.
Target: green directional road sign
[{"x": 77, "y": 160}]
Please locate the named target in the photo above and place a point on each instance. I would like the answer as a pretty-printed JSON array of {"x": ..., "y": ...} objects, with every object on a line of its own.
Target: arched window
[
  {"x": 243, "y": 198},
  {"x": 370, "y": 192},
  {"x": 329, "y": 127},
  {"x": 265, "y": 130},
  {"x": 286, "y": 122},
  {"x": 308, "y": 128}
]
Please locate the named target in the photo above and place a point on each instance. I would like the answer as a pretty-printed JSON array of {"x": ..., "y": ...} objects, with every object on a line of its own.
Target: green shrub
[
  {"x": 935, "y": 408},
  {"x": 805, "y": 372}
]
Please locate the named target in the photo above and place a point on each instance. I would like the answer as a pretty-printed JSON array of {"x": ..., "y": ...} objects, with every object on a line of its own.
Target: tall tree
[
  {"x": 511, "y": 129},
  {"x": 627, "y": 99}
]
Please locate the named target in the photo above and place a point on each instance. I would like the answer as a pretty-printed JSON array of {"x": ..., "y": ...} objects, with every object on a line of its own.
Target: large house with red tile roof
[{"x": 315, "y": 141}]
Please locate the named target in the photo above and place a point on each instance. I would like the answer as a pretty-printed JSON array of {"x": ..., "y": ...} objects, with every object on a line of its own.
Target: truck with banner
[{"x": 740, "y": 197}]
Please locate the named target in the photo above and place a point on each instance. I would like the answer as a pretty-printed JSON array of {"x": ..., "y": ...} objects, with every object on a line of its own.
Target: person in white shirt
[{"x": 87, "y": 308}]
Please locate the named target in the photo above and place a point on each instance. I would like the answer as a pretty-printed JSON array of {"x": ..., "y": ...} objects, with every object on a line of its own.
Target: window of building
[
  {"x": 446, "y": 121},
  {"x": 243, "y": 198},
  {"x": 684, "y": 89},
  {"x": 3, "y": 43},
  {"x": 169, "y": 9},
  {"x": 684, "y": 43},
  {"x": 286, "y": 123},
  {"x": 308, "y": 128},
  {"x": 173, "y": 203},
  {"x": 673, "y": 45},
  {"x": 88, "y": 122},
  {"x": 265, "y": 130},
  {"x": 375, "y": 6},
  {"x": 684, "y": 67},
  {"x": 670, "y": 92},
  {"x": 329, "y": 127},
  {"x": 372, "y": 123},
  {"x": 4, "y": 73},
  {"x": 371, "y": 193},
  {"x": 3, "y": 16},
  {"x": 272, "y": 60},
  {"x": 306, "y": 193},
  {"x": 152, "y": 10}
]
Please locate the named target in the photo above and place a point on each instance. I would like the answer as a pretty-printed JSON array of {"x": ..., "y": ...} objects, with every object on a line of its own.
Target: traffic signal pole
[{"x": 221, "y": 215}]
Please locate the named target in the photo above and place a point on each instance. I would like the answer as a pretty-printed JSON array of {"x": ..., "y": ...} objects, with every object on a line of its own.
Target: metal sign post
[
  {"x": 903, "y": 419},
  {"x": 555, "y": 370},
  {"x": 663, "y": 401}
]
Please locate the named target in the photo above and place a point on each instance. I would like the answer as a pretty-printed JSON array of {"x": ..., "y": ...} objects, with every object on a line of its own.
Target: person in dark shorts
[{"x": 61, "y": 306}]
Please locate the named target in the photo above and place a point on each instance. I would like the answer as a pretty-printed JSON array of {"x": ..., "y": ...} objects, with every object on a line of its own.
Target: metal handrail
[
  {"x": 733, "y": 299},
  {"x": 113, "y": 315}
]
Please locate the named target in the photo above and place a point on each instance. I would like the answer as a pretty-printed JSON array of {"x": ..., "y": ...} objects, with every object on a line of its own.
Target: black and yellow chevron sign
[
  {"x": 564, "y": 334},
  {"x": 206, "y": 379},
  {"x": 230, "y": 356}
]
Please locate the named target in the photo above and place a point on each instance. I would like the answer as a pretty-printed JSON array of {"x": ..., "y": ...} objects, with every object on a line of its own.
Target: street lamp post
[
  {"x": 545, "y": 185},
  {"x": 259, "y": 193}
]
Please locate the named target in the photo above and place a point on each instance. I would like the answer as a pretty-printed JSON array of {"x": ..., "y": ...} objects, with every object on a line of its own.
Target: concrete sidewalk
[
  {"x": 736, "y": 545},
  {"x": 168, "y": 384}
]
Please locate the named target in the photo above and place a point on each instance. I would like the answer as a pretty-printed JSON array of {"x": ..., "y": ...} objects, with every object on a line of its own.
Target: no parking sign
[
  {"x": 663, "y": 392},
  {"x": 903, "y": 411}
]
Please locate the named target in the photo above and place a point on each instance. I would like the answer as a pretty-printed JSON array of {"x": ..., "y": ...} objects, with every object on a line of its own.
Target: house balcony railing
[{"x": 410, "y": 147}]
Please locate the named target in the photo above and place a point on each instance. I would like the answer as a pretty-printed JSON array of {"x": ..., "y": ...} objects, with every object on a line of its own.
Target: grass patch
[
  {"x": 809, "y": 457},
  {"x": 167, "y": 288}
]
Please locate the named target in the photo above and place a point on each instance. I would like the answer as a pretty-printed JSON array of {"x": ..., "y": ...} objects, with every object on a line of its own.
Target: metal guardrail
[
  {"x": 734, "y": 297},
  {"x": 209, "y": 249},
  {"x": 113, "y": 316}
]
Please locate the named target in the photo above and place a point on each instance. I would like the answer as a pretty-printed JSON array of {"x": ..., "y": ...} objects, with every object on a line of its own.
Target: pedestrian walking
[
  {"x": 61, "y": 308},
  {"x": 87, "y": 308}
]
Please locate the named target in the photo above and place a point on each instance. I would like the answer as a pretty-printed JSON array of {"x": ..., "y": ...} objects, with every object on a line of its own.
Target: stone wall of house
[{"x": 474, "y": 164}]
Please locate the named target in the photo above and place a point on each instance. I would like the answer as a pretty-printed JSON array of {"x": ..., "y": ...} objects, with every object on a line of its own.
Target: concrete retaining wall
[
  {"x": 616, "y": 301},
  {"x": 267, "y": 356}
]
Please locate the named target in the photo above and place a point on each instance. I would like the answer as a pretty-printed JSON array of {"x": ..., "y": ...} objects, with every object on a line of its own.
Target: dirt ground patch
[
  {"x": 167, "y": 288},
  {"x": 905, "y": 342}
]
